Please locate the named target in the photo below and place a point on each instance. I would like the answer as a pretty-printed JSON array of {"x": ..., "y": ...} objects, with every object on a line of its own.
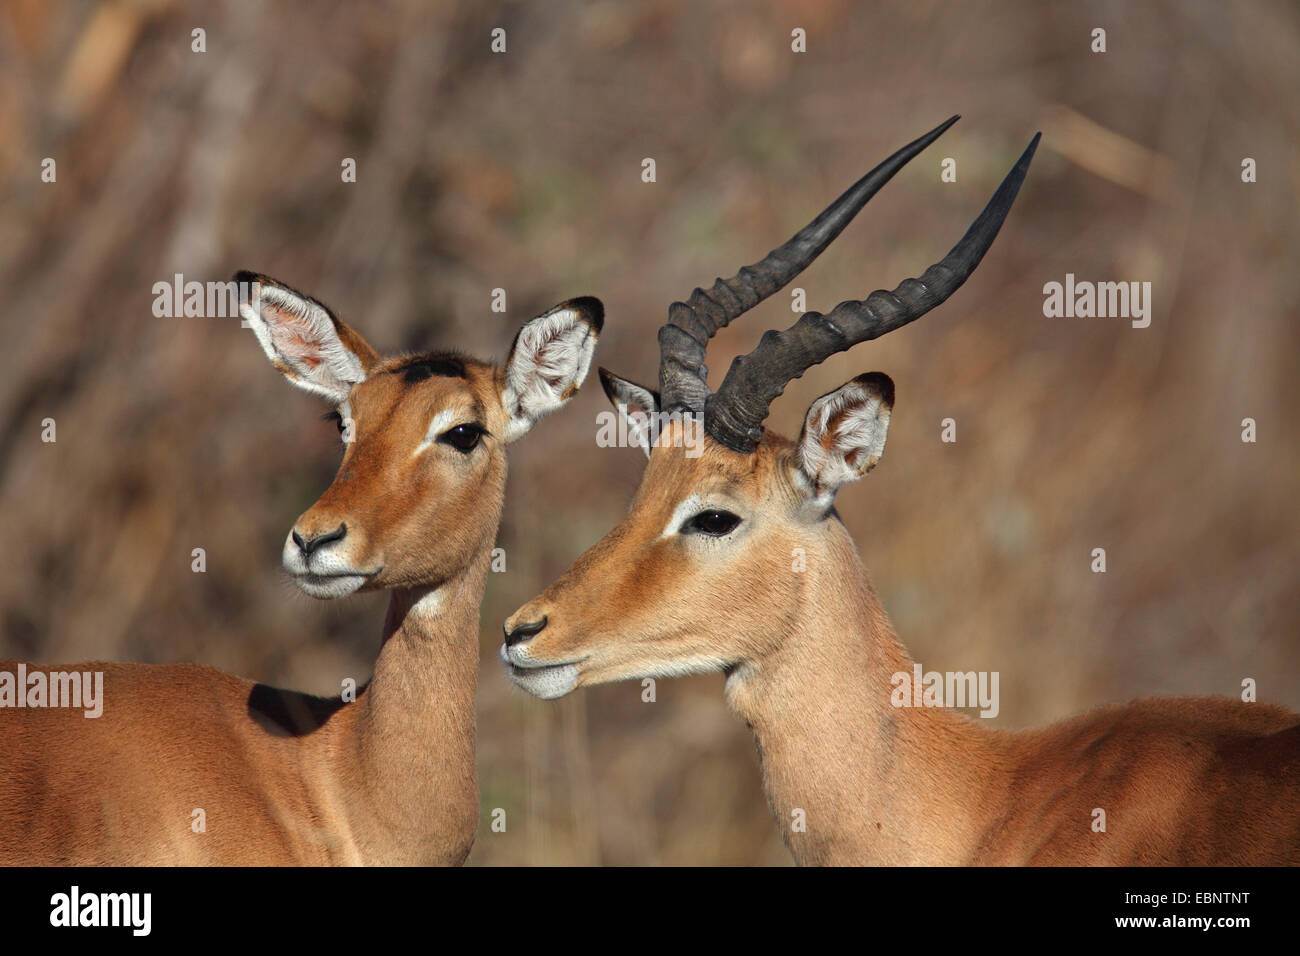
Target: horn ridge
[
  {"x": 683, "y": 376},
  {"x": 734, "y": 416}
]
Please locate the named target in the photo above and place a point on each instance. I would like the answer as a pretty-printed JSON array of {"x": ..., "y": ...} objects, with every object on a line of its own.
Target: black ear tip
[
  {"x": 591, "y": 308},
  {"x": 245, "y": 277},
  {"x": 245, "y": 282},
  {"x": 607, "y": 381},
  {"x": 880, "y": 383}
]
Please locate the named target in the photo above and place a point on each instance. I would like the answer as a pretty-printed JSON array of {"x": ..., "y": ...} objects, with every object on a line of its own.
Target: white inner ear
[
  {"x": 638, "y": 427},
  {"x": 636, "y": 406},
  {"x": 843, "y": 438},
  {"x": 299, "y": 337},
  {"x": 550, "y": 360}
]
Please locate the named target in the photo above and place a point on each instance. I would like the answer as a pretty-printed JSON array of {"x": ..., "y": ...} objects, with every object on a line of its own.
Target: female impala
[
  {"x": 282, "y": 777},
  {"x": 699, "y": 577}
]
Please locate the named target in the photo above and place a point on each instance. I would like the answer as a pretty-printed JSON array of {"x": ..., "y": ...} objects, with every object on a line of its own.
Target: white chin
[
  {"x": 331, "y": 586},
  {"x": 547, "y": 683}
]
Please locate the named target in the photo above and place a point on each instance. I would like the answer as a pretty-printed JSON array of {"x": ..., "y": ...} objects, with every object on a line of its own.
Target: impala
[
  {"x": 187, "y": 764},
  {"x": 702, "y": 576}
]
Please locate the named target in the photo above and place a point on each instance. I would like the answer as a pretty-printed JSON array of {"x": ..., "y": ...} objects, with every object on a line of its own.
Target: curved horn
[
  {"x": 734, "y": 416},
  {"x": 683, "y": 377}
]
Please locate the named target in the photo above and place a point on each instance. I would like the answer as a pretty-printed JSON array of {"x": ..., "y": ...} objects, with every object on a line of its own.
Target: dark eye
[
  {"x": 713, "y": 523},
  {"x": 334, "y": 417},
  {"x": 462, "y": 438}
]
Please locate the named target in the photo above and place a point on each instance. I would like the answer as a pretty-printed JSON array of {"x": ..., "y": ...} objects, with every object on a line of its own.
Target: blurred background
[{"x": 522, "y": 171}]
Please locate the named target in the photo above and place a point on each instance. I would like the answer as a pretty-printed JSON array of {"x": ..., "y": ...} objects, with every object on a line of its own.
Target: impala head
[
  {"x": 698, "y": 576},
  {"x": 419, "y": 491}
]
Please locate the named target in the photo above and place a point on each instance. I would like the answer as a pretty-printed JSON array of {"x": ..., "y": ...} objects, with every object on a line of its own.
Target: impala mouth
[
  {"x": 327, "y": 586},
  {"x": 541, "y": 679},
  {"x": 331, "y": 571}
]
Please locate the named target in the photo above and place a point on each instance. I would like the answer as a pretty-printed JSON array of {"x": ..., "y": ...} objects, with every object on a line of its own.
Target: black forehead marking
[{"x": 426, "y": 366}]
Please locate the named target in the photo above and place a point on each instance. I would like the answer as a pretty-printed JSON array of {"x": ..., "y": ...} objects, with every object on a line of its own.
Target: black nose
[
  {"x": 523, "y": 632},
  {"x": 311, "y": 544}
]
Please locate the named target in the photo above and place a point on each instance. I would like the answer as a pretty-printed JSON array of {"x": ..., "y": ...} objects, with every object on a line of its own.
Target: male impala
[
  {"x": 283, "y": 777},
  {"x": 699, "y": 577}
]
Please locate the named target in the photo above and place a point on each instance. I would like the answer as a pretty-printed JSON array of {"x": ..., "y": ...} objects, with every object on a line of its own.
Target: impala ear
[
  {"x": 844, "y": 434},
  {"x": 302, "y": 338},
  {"x": 637, "y": 407},
  {"x": 549, "y": 361}
]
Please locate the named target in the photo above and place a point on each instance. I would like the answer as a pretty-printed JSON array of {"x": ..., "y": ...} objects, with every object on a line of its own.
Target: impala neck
[
  {"x": 415, "y": 779},
  {"x": 850, "y": 777}
]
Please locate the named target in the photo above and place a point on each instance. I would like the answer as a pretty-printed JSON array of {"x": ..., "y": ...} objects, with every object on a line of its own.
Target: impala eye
[
  {"x": 713, "y": 523},
  {"x": 463, "y": 438},
  {"x": 336, "y": 418}
]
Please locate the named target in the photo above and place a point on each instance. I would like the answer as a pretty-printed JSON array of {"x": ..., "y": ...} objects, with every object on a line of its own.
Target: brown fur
[
  {"x": 284, "y": 777},
  {"x": 810, "y": 655}
]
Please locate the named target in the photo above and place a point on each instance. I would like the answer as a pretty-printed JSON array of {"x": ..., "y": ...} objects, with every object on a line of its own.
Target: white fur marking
[
  {"x": 430, "y": 603},
  {"x": 691, "y": 506},
  {"x": 684, "y": 667},
  {"x": 439, "y": 424}
]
